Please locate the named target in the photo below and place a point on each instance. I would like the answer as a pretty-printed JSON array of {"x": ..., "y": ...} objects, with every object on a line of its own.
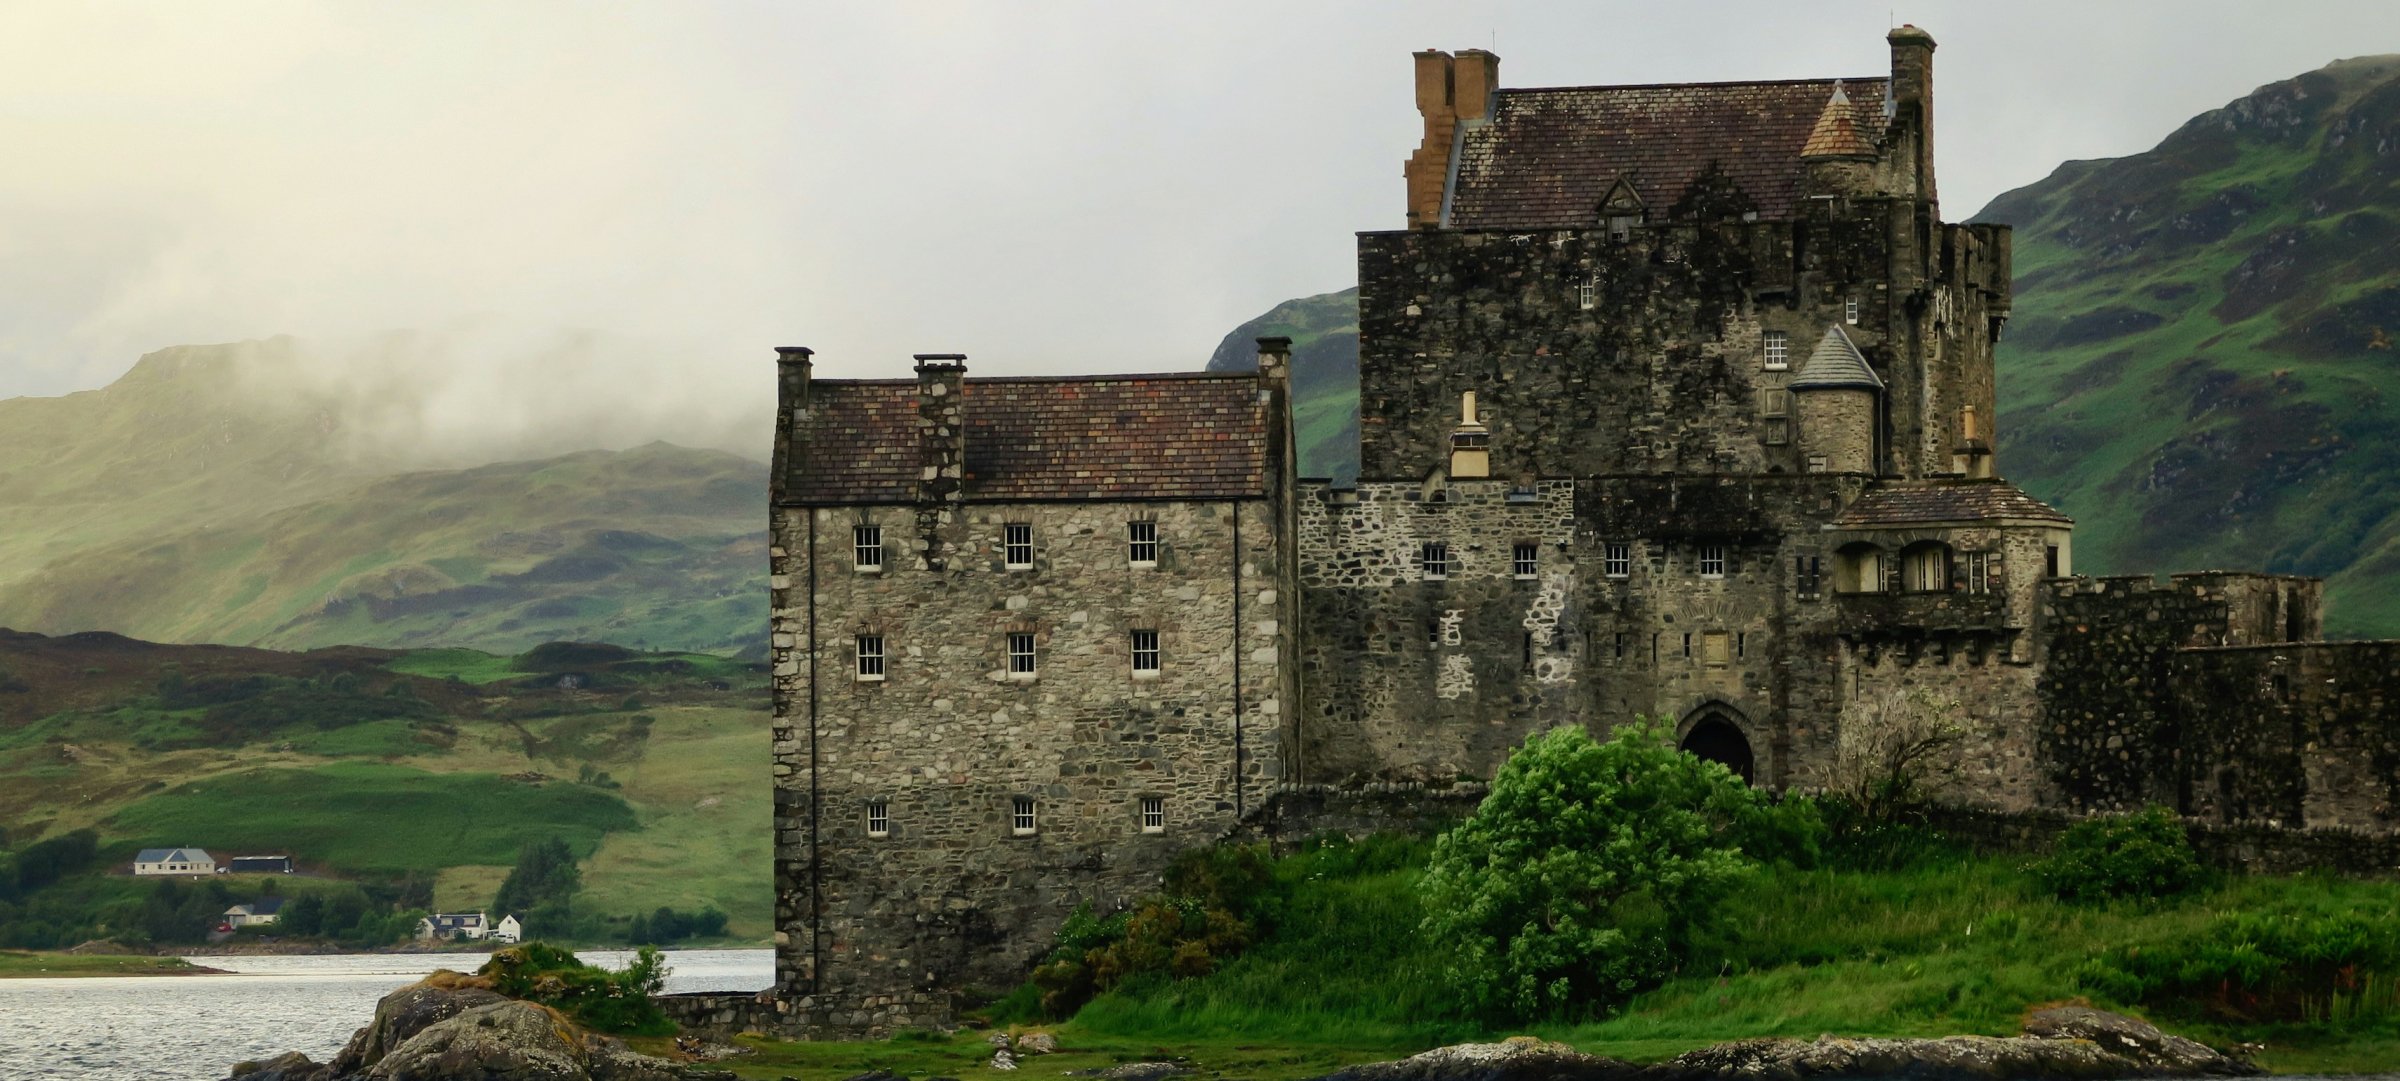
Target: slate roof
[
  {"x": 1548, "y": 156},
  {"x": 173, "y": 855},
  {"x": 1835, "y": 362},
  {"x": 1175, "y": 436},
  {"x": 1922, "y": 502}
]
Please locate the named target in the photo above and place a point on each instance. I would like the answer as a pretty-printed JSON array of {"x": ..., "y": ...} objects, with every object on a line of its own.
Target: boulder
[
  {"x": 455, "y": 1030},
  {"x": 1037, "y": 1043},
  {"x": 1520, "y": 1058},
  {"x": 289, "y": 1066},
  {"x": 2137, "y": 1040},
  {"x": 408, "y": 1011}
]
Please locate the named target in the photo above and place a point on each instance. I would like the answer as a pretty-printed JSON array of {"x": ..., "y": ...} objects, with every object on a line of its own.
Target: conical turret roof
[
  {"x": 1835, "y": 364},
  {"x": 1836, "y": 132}
]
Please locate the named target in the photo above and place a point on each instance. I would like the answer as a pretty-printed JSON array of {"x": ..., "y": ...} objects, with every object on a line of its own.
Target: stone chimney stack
[
  {"x": 1275, "y": 363},
  {"x": 792, "y": 372},
  {"x": 941, "y": 427},
  {"x": 1451, "y": 90},
  {"x": 1912, "y": 103}
]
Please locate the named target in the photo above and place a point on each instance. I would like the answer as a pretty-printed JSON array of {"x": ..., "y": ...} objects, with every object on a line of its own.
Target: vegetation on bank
[{"x": 19, "y": 964}]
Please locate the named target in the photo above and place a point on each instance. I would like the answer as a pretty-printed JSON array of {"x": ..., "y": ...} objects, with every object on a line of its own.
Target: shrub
[
  {"x": 2264, "y": 966},
  {"x": 1212, "y": 904},
  {"x": 2142, "y": 856},
  {"x": 595, "y": 997},
  {"x": 1576, "y": 883}
]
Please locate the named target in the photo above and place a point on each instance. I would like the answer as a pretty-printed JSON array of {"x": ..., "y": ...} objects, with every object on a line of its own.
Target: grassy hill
[
  {"x": 1324, "y": 334},
  {"x": 2201, "y": 367},
  {"x": 203, "y": 498},
  {"x": 382, "y": 764}
]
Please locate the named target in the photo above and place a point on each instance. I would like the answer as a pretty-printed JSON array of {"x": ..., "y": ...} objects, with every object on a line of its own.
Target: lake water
[{"x": 194, "y": 1028}]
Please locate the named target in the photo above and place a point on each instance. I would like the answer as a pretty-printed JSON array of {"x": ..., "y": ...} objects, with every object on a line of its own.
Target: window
[
  {"x": 2050, "y": 559},
  {"x": 1816, "y": 463},
  {"x": 1850, "y": 310},
  {"x": 1154, "y": 814},
  {"x": 879, "y": 818},
  {"x": 1808, "y": 572},
  {"x": 1145, "y": 653},
  {"x": 870, "y": 657},
  {"x": 1778, "y": 351},
  {"x": 1621, "y": 644},
  {"x": 1435, "y": 557},
  {"x": 1858, "y": 568},
  {"x": 1525, "y": 560},
  {"x": 1016, "y": 546},
  {"x": 1587, "y": 292},
  {"x": 866, "y": 546},
  {"x": 1020, "y": 655},
  {"x": 1712, "y": 561},
  {"x": 1925, "y": 567},
  {"x": 1687, "y": 645},
  {"x": 1141, "y": 543},
  {"x": 1741, "y": 644},
  {"x": 1020, "y": 816},
  {"x": 1616, "y": 559}
]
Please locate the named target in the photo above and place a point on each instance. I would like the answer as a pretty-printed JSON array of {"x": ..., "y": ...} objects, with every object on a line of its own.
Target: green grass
[
  {"x": 467, "y": 665},
  {"x": 18, "y": 964},
  {"x": 374, "y": 818}
]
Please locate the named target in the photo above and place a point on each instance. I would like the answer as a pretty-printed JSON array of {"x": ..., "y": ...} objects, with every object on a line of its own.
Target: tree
[
  {"x": 1579, "y": 879},
  {"x": 545, "y": 875},
  {"x": 303, "y": 915},
  {"x": 1894, "y": 751}
]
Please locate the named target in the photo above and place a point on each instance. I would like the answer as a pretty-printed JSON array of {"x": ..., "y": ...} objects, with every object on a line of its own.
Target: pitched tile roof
[
  {"x": 1836, "y": 363},
  {"x": 1922, "y": 502},
  {"x": 1836, "y": 132},
  {"x": 1174, "y": 436},
  {"x": 1548, "y": 156}
]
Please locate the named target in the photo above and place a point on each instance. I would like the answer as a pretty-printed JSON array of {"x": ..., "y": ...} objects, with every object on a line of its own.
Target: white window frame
[
  {"x": 1616, "y": 559},
  {"x": 1145, "y": 646},
  {"x": 1979, "y": 572},
  {"x": 879, "y": 818},
  {"x": 1433, "y": 557},
  {"x": 1024, "y": 658},
  {"x": 871, "y": 658},
  {"x": 1141, "y": 543},
  {"x": 1775, "y": 349},
  {"x": 1712, "y": 556},
  {"x": 1587, "y": 292},
  {"x": 1850, "y": 310},
  {"x": 1154, "y": 814},
  {"x": 866, "y": 548},
  {"x": 1022, "y": 820},
  {"x": 1525, "y": 560},
  {"x": 1016, "y": 539}
]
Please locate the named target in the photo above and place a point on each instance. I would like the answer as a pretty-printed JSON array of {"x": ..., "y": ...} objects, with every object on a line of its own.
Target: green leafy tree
[
  {"x": 303, "y": 915},
  {"x": 1580, "y": 878},
  {"x": 545, "y": 876}
]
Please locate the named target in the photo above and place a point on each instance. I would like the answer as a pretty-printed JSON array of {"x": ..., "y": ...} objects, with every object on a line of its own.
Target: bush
[
  {"x": 2140, "y": 856},
  {"x": 1577, "y": 882},
  {"x": 1213, "y": 904},
  {"x": 598, "y": 999},
  {"x": 2264, "y": 966}
]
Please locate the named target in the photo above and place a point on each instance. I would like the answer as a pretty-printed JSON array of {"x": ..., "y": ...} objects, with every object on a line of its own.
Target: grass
[
  {"x": 18, "y": 964},
  {"x": 711, "y": 796},
  {"x": 467, "y": 665}
]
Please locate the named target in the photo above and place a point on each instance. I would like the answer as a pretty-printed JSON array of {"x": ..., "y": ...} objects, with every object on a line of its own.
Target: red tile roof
[
  {"x": 1548, "y": 156},
  {"x": 1102, "y": 437},
  {"x": 1925, "y": 502}
]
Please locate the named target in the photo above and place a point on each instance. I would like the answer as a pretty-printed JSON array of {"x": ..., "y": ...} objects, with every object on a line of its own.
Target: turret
[
  {"x": 1839, "y": 160},
  {"x": 1838, "y": 392}
]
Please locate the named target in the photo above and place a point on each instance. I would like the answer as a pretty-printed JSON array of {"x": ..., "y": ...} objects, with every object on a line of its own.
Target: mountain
[
  {"x": 209, "y": 495},
  {"x": 2201, "y": 367},
  {"x": 1324, "y": 334}
]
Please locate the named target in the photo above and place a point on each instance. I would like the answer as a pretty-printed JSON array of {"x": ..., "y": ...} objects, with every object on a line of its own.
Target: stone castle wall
[{"x": 2303, "y": 734}]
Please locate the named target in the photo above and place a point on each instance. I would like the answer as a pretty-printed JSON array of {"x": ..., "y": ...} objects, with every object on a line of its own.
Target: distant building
[
  {"x": 468, "y": 927},
  {"x": 255, "y": 913},
  {"x": 508, "y": 930},
  {"x": 174, "y": 861},
  {"x": 258, "y": 865}
]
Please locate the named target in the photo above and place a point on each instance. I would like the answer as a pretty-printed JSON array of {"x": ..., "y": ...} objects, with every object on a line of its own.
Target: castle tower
[{"x": 1838, "y": 394}]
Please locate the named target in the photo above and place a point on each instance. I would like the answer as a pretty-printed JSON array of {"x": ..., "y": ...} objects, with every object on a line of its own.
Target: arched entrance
[{"x": 1717, "y": 738}]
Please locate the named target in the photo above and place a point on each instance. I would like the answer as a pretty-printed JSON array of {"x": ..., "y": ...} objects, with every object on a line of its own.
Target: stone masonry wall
[
  {"x": 2291, "y": 734},
  {"x": 879, "y": 931}
]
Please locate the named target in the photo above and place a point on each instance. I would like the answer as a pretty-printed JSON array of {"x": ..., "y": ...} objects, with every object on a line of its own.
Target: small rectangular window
[
  {"x": 1850, "y": 310},
  {"x": 870, "y": 657},
  {"x": 1778, "y": 351},
  {"x": 1020, "y": 655},
  {"x": 1712, "y": 561},
  {"x": 1616, "y": 560},
  {"x": 1435, "y": 558},
  {"x": 2050, "y": 559},
  {"x": 1816, "y": 463},
  {"x": 1525, "y": 560},
  {"x": 1741, "y": 644},
  {"x": 1623, "y": 640},
  {"x": 1016, "y": 545},
  {"x": 866, "y": 547},
  {"x": 1979, "y": 572},
  {"x": 1154, "y": 814},
  {"x": 1145, "y": 653},
  {"x": 1808, "y": 574},
  {"x": 879, "y": 818},
  {"x": 1587, "y": 292},
  {"x": 1687, "y": 645},
  {"x": 1020, "y": 816},
  {"x": 1141, "y": 543}
]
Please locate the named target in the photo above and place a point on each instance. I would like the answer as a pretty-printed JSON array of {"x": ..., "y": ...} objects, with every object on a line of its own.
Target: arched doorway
[{"x": 1716, "y": 738}]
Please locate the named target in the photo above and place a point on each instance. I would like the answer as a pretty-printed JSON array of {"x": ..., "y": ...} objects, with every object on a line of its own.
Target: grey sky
[{"x": 1046, "y": 188}]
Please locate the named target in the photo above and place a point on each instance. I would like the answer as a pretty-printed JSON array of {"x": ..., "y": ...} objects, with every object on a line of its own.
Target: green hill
[
  {"x": 1324, "y": 334},
  {"x": 2201, "y": 365},
  {"x": 203, "y": 497}
]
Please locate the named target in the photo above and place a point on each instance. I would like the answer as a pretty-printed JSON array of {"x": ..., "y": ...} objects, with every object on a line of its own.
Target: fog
[{"x": 596, "y": 222}]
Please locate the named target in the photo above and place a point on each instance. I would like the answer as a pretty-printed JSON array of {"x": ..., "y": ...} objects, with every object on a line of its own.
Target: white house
[
  {"x": 508, "y": 930},
  {"x": 174, "y": 861},
  {"x": 454, "y": 927},
  {"x": 269, "y": 910}
]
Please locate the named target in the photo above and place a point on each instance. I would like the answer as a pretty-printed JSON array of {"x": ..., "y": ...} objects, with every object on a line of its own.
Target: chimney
[
  {"x": 1912, "y": 100},
  {"x": 1275, "y": 364},
  {"x": 1275, "y": 394},
  {"x": 941, "y": 427},
  {"x": 1450, "y": 91},
  {"x": 1470, "y": 442},
  {"x": 792, "y": 373}
]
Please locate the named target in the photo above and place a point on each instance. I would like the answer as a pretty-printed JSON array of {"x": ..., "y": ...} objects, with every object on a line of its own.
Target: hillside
[
  {"x": 203, "y": 497},
  {"x": 2201, "y": 365},
  {"x": 381, "y": 765},
  {"x": 1324, "y": 334}
]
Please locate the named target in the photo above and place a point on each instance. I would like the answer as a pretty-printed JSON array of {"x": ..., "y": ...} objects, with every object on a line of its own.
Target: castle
[{"x": 1676, "y": 401}]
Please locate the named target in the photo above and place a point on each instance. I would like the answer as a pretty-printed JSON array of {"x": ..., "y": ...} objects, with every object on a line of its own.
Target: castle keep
[{"x": 1675, "y": 401}]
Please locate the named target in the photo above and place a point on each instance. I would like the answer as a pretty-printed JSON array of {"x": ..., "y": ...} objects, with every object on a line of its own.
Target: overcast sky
[{"x": 1046, "y": 188}]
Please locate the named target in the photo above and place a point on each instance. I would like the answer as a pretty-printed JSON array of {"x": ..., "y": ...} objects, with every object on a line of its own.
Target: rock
[
  {"x": 1520, "y": 1058},
  {"x": 406, "y": 1012},
  {"x": 449, "y": 1028},
  {"x": 1138, "y": 1071},
  {"x": 1037, "y": 1043},
  {"x": 289, "y": 1066},
  {"x": 2136, "y": 1039},
  {"x": 1004, "y": 1060},
  {"x": 997, "y": 1039}
]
